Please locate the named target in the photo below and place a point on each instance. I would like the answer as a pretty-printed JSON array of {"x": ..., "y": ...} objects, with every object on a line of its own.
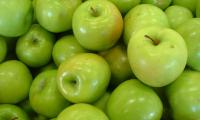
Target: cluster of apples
[{"x": 99, "y": 59}]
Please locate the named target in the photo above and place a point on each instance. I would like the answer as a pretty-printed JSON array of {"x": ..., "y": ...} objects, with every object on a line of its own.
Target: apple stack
[{"x": 99, "y": 60}]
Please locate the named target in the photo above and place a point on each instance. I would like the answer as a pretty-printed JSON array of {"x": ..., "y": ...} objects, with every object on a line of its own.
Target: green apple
[
  {"x": 178, "y": 15},
  {"x": 198, "y": 9},
  {"x": 125, "y": 5},
  {"x": 65, "y": 48},
  {"x": 56, "y": 15},
  {"x": 15, "y": 81},
  {"x": 190, "y": 4},
  {"x": 119, "y": 64},
  {"x": 183, "y": 96},
  {"x": 35, "y": 47},
  {"x": 12, "y": 112},
  {"x": 163, "y": 4},
  {"x": 15, "y": 17},
  {"x": 82, "y": 111},
  {"x": 157, "y": 55},
  {"x": 44, "y": 96},
  {"x": 83, "y": 78},
  {"x": 132, "y": 100},
  {"x": 3, "y": 48},
  {"x": 97, "y": 24},
  {"x": 191, "y": 33},
  {"x": 141, "y": 16}
]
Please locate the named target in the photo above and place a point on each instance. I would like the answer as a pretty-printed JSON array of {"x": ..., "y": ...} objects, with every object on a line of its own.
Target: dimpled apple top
[
  {"x": 83, "y": 78},
  {"x": 141, "y": 16},
  {"x": 15, "y": 17},
  {"x": 157, "y": 55},
  {"x": 97, "y": 24}
]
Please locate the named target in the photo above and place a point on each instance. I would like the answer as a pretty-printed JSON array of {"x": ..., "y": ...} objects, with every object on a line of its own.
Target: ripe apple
[
  {"x": 178, "y": 15},
  {"x": 183, "y": 96},
  {"x": 157, "y": 55},
  {"x": 15, "y": 81},
  {"x": 163, "y": 4},
  {"x": 3, "y": 49},
  {"x": 12, "y": 112},
  {"x": 83, "y": 78},
  {"x": 191, "y": 33},
  {"x": 56, "y": 15},
  {"x": 132, "y": 100},
  {"x": 15, "y": 17},
  {"x": 141, "y": 16},
  {"x": 34, "y": 48},
  {"x": 97, "y": 24},
  {"x": 44, "y": 96},
  {"x": 190, "y": 4},
  {"x": 82, "y": 111},
  {"x": 65, "y": 48}
]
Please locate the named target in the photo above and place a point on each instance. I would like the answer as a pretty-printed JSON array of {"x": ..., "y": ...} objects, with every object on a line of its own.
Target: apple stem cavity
[
  {"x": 155, "y": 41},
  {"x": 94, "y": 12}
]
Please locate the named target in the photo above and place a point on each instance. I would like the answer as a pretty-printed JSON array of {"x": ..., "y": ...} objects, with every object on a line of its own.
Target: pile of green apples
[{"x": 99, "y": 60}]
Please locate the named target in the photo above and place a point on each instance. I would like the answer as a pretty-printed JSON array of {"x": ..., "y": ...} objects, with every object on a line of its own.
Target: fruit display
[{"x": 99, "y": 59}]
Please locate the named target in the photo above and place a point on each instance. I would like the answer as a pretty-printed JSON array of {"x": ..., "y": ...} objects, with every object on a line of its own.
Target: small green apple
[
  {"x": 132, "y": 100},
  {"x": 3, "y": 48},
  {"x": 82, "y": 111},
  {"x": 35, "y": 47},
  {"x": 83, "y": 78},
  {"x": 163, "y": 4},
  {"x": 15, "y": 81},
  {"x": 190, "y": 4},
  {"x": 97, "y": 24},
  {"x": 157, "y": 55}
]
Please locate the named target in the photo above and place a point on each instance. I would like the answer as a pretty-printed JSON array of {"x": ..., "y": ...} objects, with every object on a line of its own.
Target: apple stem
[
  {"x": 155, "y": 42},
  {"x": 94, "y": 12},
  {"x": 15, "y": 118}
]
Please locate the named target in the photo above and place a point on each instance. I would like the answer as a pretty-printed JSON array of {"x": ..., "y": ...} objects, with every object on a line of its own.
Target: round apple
[{"x": 3, "y": 49}]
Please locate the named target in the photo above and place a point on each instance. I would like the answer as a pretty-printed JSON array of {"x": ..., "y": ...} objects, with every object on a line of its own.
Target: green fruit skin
[
  {"x": 82, "y": 111},
  {"x": 12, "y": 112},
  {"x": 83, "y": 78},
  {"x": 125, "y": 5},
  {"x": 191, "y": 33},
  {"x": 163, "y": 4},
  {"x": 65, "y": 48},
  {"x": 35, "y": 47},
  {"x": 14, "y": 76},
  {"x": 97, "y": 24},
  {"x": 183, "y": 96},
  {"x": 132, "y": 100},
  {"x": 3, "y": 49},
  {"x": 44, "y": 96},
  {"x": 16, "y": 17},
  {"x": 190, "y": 4},
  {"x": 198, "y": 9},
  {"x": 142, "y": 16},
  {"x": 56, "y": 16},
  {"x": 157, "y": 65},
  {"x": 178, "y": 15}
]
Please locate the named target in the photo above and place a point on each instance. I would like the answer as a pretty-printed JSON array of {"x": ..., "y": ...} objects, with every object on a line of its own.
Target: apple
[
  {"x": 12, "y": 112},
  {"x": 97, "y": 24},
  {"x": 183, "y": 96},
  {"x": 83, "y": 78},
  {"x": 198, "y": 9},
  {"x": 125, "y": 5},
  {"x": 163, "y": 4},
  {"x": 190, "y": 4},
  {"x": 132, "y": 100},
  {"x": 56, "y": 16},
  {"x": 82, "y": 111},
  {"x": 191, "y": 33},
  {"x": 66, "y": 47},
  {"x": 44, "y": 96},
  {"x": 15, "y": 81},
  {"x": 3, "y": 49},
  {"x": 142, "y": 16},
  {"x": 178, "y": 15},
  {"x": 157, "y": 55},
  {"x": 35, "y": 47}
]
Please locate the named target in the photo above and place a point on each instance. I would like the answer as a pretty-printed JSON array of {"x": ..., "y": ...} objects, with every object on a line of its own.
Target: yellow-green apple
[
  {"x": 97, "y": 24},
  {"x": 56, "y": 16},
  {"x": 83, "y": 78},
  {"x": 190, "y": 4},
  {"x": 3, "y": 49},
  {"x": 163, "y": 4},
  {"x": 15, "y": 81},
  {"x": 35, "y": 47},
  {"x": 157, "y": 55},
  {"x": 132, "y": 100},
  {"x": 44, "y": 96},
  {"x": 82, "y": 111},
  {"x": 141, "y": 16}
]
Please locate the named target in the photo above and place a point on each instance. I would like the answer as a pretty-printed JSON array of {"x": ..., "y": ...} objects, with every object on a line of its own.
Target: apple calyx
[
  {"x": 34, "y": 40},
  {"x": 155, "y": 41},
  {"x": 94, "y": 12},
  {"x": 15, "y": 118}
]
